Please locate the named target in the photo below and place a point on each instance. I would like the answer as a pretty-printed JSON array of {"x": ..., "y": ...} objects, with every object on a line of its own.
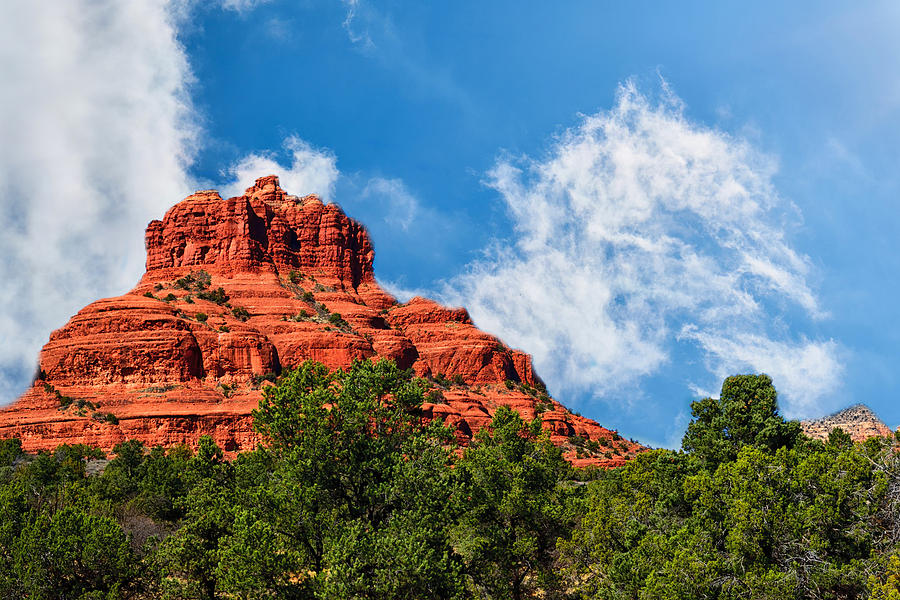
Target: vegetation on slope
[{"x": 352, "y": 496}]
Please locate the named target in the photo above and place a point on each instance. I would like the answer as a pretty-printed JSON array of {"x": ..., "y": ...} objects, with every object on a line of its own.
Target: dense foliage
[{"x": 353, "y": 496}]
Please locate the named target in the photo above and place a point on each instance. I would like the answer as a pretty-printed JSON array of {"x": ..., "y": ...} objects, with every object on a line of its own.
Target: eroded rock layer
[
  {"x": 235, "y": 290},
  {"x": 858, "y": 420}
]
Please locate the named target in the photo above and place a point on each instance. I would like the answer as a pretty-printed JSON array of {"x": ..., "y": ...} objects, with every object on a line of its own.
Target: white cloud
[
  {"x": 97, "y": 130},
  {"x": 242, "y": 6},
  {"x": 401, "y": 291},
  {"x": 312, "y": 171},
  {"x": 360, "y": 38},
  {"x": 399, "y": 206},
  {"x": 638, "y": 230},
  {"x": 803, "y": 371}
]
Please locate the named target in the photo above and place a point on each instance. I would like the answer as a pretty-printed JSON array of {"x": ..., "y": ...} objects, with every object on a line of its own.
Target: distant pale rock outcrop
[{"x": 858, "y": 420}]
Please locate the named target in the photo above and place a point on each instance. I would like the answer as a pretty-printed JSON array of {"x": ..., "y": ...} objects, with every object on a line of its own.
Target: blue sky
[{"x": 647, "y": 196}]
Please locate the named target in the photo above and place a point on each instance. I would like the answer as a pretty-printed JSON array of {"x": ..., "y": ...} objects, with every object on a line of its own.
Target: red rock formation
[{"x": 236, "y": 289}]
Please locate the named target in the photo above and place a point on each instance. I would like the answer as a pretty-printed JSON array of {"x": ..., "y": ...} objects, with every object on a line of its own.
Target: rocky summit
[
  {"x": 859, "y": 421},
  {"x": 237, "y": 289}
]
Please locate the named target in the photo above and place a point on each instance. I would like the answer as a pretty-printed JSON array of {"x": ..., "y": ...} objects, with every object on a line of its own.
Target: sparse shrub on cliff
[
  {"x": 307, "y": 296},
  {"x": 149, "y": 295},
  {"x": 240, "y": 313},
  {"x": 435, "y": 397},
  {"x": 458, "y": 379},
  {"x": 169, "y": 298},
  {"x": 257, "y": 379},
  {"x": 202, "y": 317},
  {"x": 189, "y": 299},
  {"x": 295, "y": 277},
  {"x": 105, "y": 418},
  {"x": 217, "y": 295},
  {"x": 196, "y": 281},
  {"x": 338, "y": 321},
  {"x": 224, "y": 328},
  {"x": 510, "y": 384}
]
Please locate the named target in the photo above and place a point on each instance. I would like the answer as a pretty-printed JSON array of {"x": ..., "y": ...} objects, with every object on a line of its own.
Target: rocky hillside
[
  {"x": 237, "y": 289},
  {"x": 858, "y": 420}
]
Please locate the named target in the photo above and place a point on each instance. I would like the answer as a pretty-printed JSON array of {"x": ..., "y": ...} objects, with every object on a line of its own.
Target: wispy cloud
[
  {"x": 242, "y": 6},
  {"x": 351, "y": 25},
  {"x": 372, "y": 30},
  {"x": 639, "y": 230},
  {"x": 311, "y": 171},
  {"x": 804, "y": 371},
  {"x": 99, "y": 131},
  {"x": 400, "y": 207}
]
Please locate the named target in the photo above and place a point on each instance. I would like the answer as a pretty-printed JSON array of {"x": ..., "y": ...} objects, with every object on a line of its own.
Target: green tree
[
  {"x": 512, "y": 508},
  {"x": 746, "y": 413},
  {"x": 187, "y": 561},
  {"x": 357, "y": 495},
  {"x": 73, "y": 554}
]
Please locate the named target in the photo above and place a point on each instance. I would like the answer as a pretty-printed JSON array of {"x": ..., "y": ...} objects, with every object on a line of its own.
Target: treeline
[{"x": 352, "y": 497}]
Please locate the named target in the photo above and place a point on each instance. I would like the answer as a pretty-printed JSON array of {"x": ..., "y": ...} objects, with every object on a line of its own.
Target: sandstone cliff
[
  {"x": 857, "y": 420},
  {"x": 237, "y": 289}
]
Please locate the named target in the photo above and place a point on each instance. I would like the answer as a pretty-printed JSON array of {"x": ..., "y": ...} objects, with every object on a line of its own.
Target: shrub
[
  {"x": 217, "y": 295},
  {"x": 197, "y": 281},
  {"x": 435, "y": 397},
  {"x": 257, "y": 379},
  {"x": 295, "y": 276},
  {"x": 307, "y": 296},
  {"x": 158, "y": 287},
  {"x": 224, "y": 329},
  {"x": 105, "y": 418},
  {"x": 509, "y": 383},
  {"x": 169, "y": 297},
  {"x": 149, "y": 295},
  {"x": 201, "y": 317},
  {"x": 458, "y": 380},
  {"x": 240, "y": 313},
  {"x": 338, "y": 321}
]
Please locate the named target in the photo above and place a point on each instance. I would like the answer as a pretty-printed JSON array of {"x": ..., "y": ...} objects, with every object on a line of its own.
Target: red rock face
[{"x": 176, "y": 358}]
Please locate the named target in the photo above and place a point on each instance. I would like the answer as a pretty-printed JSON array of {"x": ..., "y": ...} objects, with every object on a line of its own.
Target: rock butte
[
  {"x": 287, "y": 265},
  {"x": 858, "y": 420}
]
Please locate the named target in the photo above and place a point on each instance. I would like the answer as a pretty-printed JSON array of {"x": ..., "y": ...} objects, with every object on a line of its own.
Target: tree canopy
[{"x": 353, "y": 495}]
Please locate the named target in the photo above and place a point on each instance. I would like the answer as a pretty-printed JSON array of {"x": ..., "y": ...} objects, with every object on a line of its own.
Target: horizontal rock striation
[{"x": 234, "y": 291}]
